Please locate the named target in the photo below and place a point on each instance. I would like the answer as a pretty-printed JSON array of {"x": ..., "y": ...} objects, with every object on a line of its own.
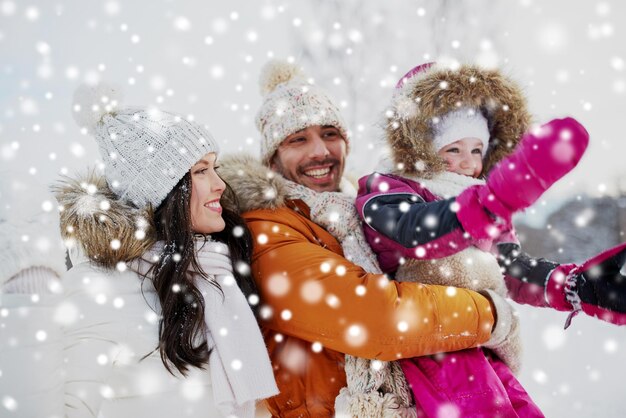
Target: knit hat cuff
[
  {"x": 459, "y": 124},
  {"x": 276, "y": 131}
]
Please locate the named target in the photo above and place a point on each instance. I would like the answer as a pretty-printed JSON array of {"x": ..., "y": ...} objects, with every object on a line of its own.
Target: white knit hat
[
  {"x": 462, "y": 123},
  {"x": 146, "y": 151},
  {"x": 291, "y": 104}
]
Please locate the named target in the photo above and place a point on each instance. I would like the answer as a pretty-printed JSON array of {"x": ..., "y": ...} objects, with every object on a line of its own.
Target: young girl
[
  {"x": 433, "y": 217},
  {"x": 154, "y": 311}
]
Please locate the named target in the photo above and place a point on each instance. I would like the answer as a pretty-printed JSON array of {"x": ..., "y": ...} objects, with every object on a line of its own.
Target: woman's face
[
  {"x": 464, "y": 156},
  {"x": 206, "y": 190}
]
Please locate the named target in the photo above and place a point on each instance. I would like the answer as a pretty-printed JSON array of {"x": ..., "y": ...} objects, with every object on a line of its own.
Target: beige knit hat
[
  {"x": 146, "y": 151},
  {"x": 291, "y": 103}
]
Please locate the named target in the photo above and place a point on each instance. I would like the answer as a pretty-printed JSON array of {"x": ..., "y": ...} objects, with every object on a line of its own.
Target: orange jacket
[{"x": 323, "y": 307}]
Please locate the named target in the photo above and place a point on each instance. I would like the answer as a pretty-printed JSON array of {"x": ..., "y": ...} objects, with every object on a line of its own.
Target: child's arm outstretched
[{"x": 405, "y": 220}]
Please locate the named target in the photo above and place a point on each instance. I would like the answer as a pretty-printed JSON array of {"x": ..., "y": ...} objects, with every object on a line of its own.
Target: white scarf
[
  {"x": 371, "y": 391},
  {"x": 446, "y": 184},
  {"x": 241, "y": 372}
]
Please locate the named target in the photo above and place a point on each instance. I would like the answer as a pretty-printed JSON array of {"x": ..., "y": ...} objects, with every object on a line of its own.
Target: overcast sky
[{"x": 203, "y": 59}]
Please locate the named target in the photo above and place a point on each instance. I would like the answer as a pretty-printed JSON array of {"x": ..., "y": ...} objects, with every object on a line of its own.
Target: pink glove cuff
[{"x": 556, "y": 288}]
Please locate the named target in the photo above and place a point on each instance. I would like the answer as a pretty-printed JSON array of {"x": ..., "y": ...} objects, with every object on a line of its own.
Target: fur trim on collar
[
  {"x": 258, "y": 187},
  {"x": 439, "y": 90},
  {"x": 106, "y": 228},
  {"x": 254, "y": 185}
]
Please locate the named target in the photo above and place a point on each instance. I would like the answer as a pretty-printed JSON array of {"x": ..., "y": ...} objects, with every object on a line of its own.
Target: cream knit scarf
[
  {"x": 374, "y": 388},
  {"x": 240, "y": 368}
]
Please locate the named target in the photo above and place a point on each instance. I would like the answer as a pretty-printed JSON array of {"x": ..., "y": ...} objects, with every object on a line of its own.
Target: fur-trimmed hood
[
  {"x": 108, "y": 230},
  {"x": 437, "y": 90}
]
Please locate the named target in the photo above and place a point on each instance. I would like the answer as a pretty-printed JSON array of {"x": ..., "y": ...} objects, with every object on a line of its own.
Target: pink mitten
[{"x": 543, "y": 156}]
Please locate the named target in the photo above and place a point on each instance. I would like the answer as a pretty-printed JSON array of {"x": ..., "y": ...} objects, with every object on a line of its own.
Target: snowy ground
[{"x": 202, "y": 59}]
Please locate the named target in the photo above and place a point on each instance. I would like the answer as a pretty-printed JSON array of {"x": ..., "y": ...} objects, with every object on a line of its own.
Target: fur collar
[
  {"x": 256, "y": 186},
  {"x": 437, "y": 91},
  {"x": 106, "y": 229},
  {"x": 93, "y": 219}
]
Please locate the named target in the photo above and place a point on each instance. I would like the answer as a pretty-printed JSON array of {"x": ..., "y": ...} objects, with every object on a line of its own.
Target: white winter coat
[
  {"x": 81, "y": 353},
  {"x": 90, "y": 363}
]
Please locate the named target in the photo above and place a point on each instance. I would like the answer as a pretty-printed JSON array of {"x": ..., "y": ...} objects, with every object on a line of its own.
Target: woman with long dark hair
[
  {"x": 160, "y": 289},
  {"x": 175, "y": 226}
]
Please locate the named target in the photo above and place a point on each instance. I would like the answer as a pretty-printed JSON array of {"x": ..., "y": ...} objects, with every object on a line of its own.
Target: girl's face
[
  {"x": 206, "y": 190},
  {"x": 464, "y": 156}
]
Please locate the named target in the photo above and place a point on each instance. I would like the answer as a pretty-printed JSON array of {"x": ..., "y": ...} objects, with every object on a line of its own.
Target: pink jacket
[
  {"x": 391, "y": 205},
  {"x": 469, "y": 382}
]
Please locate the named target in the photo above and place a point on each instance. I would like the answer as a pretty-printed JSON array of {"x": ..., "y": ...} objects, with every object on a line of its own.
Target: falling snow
[{"x": 207, "y": 66}]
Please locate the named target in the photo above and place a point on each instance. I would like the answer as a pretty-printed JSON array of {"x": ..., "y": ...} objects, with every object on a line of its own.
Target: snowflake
[
  {"x": 540, "y": 376},
  {"x": 9, "y": 403},
  {"x": 554, "y": 337},
  {"x": 182, "y": 24},
  {"x": 311, "y": 291},
  {"x": 356, "y": 335},
  {"x": 278, "y": 285}
]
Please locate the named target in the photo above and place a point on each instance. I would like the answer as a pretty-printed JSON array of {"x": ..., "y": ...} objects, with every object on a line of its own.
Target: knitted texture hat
[
  {"x": 146, "y": 151},
  {"x": 459, "y": 124},
  {"x": 290, "y": 104}
]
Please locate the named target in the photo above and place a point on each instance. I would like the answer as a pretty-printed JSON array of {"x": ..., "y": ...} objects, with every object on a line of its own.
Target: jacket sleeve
[
  {"x": 525, "y": 276},
  {"x": 25, "y": 266},
  {"x": 31, "y": 356},
  {"x": 90, "y": 339},
  {"x": 408, "y": 218},
  {"x": 594, "y": 287},
  {"x": 312, "y": 292}
]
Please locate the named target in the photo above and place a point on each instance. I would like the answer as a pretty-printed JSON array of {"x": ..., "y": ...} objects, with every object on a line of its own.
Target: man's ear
[{"x": 273, "y": 164}]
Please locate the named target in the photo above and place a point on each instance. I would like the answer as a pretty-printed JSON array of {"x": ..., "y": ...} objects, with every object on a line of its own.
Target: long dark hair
[{"x": 181, "y": 327}]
